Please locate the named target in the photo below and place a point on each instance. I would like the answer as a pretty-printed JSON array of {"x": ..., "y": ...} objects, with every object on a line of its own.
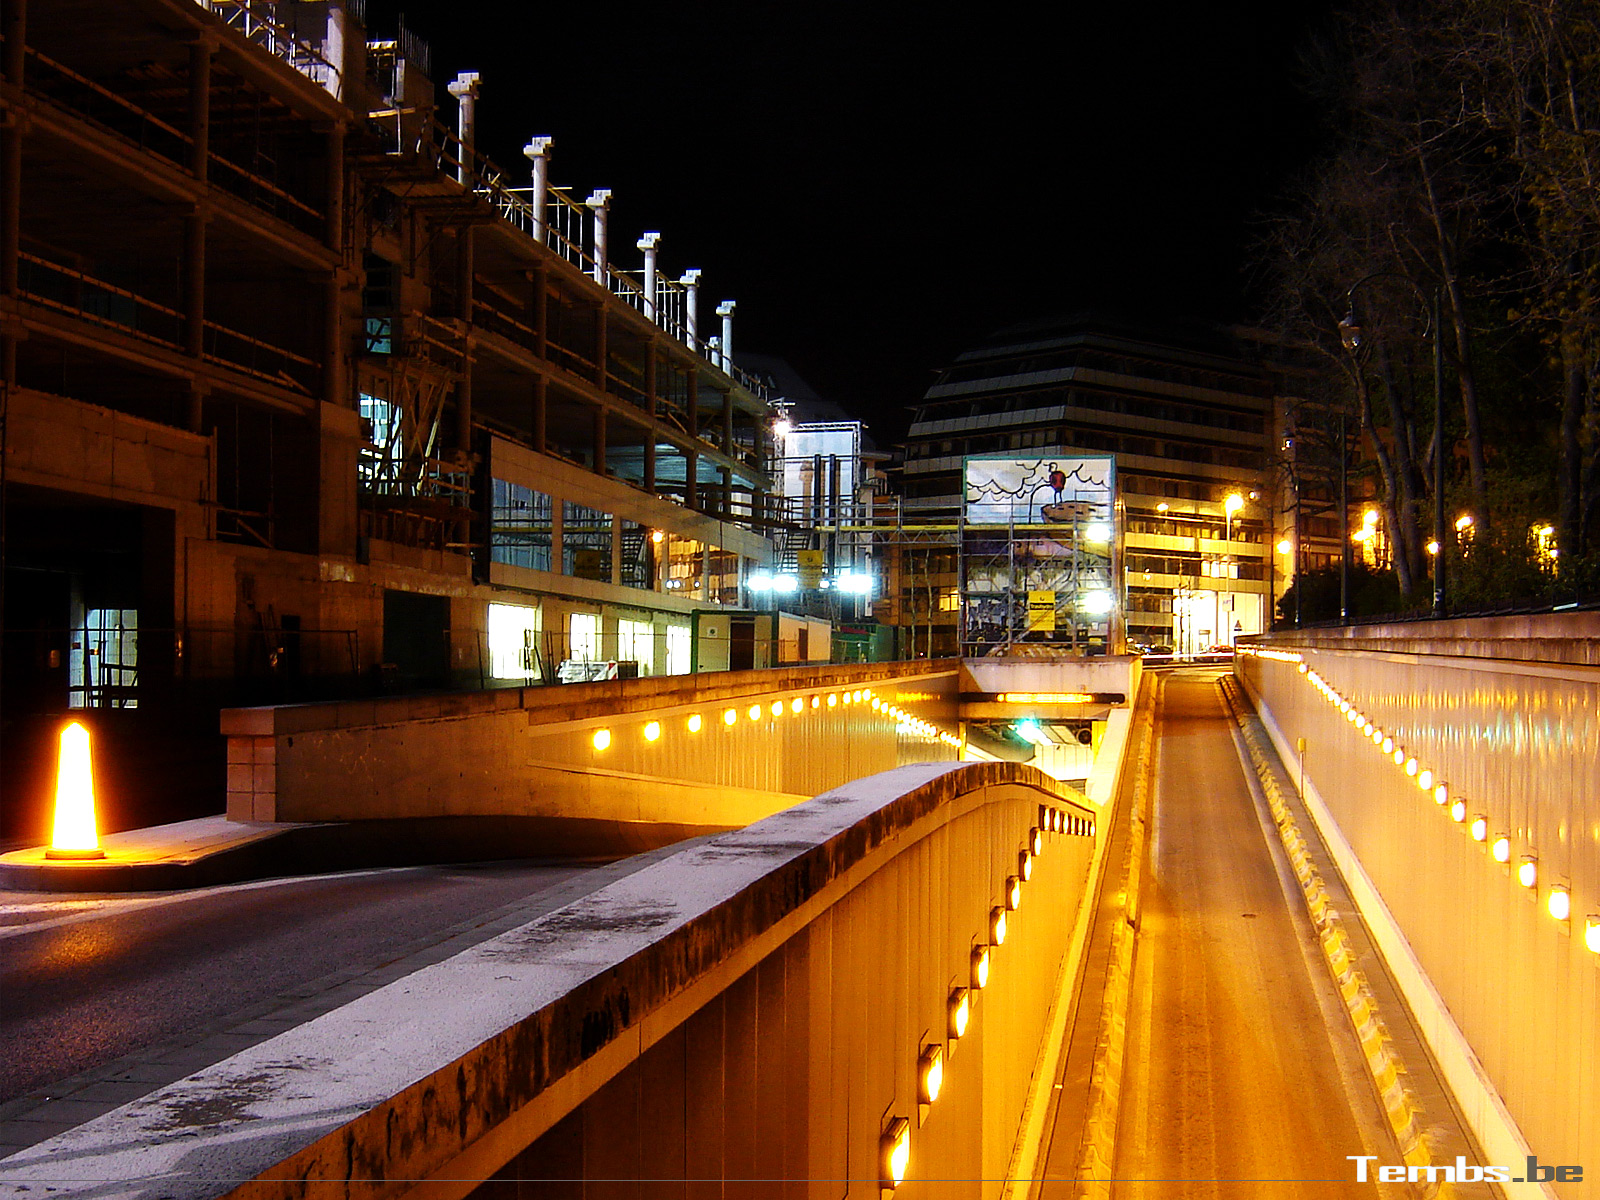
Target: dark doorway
[
  {"x": 742, "y": 643},
  {"x": 416, "y": 639}
]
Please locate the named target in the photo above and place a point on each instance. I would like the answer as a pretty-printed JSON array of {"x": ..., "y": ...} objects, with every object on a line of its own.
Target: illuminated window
[{"x": 514, "y": 641}]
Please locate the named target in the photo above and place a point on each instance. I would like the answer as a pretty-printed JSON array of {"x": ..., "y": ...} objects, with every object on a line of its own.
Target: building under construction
[{"x": 303, "y": 394}]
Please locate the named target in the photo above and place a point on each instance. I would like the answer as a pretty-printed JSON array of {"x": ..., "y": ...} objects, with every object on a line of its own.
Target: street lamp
[{"x": 1351, "y": 336}]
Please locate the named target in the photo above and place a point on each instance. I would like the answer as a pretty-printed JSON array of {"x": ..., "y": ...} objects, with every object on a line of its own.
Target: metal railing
[{"x": 259, "y": 22}]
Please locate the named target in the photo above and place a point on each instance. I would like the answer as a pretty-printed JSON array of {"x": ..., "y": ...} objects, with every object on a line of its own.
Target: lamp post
[
  {"x": 1351, "y": 336},
  {"x": 1230, "y": 505}
]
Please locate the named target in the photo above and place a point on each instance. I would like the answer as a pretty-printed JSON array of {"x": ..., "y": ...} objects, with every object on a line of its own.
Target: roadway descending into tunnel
[{"x": 1243, "y": 1076}]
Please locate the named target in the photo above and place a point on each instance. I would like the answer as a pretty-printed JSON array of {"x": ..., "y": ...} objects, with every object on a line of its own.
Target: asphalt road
[
  {"x": 1243, "y": 1077},
  {"x": 86, "y": 982}
]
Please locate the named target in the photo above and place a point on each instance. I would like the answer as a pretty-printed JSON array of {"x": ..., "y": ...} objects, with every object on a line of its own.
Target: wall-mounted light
[
  {"x": 997, "y": 925},
  {"x": 1037, "y": 840},
  {"x": 1441, "y": 794},
  {"x": 1480, "y": 828},
  {"x": 1388, "y": 745},
  {"x": 1425, "y": 780},
  {"x": 694, "y": 723},
  {"x": 1559, "y": 902},
  {"x": 1412, "y": 768},
  {"x": 777, "y": 708},
  {"x": 1025, "y": 865},
  {"x": 958, "y": 1011},
  {"x": 930, "y": 1074},
  {"x": 652, "y": 731},
  {"x": 797, "y": 704},
  {"x": 980, "y": 968},
  {"x": 1013, "y": 893},
  {"x": 1591, "y": 933},
  {"x": 730, "y": 717},
  {"x": 601, "y": 739},
  {"x": 1528, "y": 871},
  {"x": 755, "y": 712},
  {"x": 1458, "y": 811},
  {"x": 895, "y": 1154},
  {"x": 1501, "y": 849}
]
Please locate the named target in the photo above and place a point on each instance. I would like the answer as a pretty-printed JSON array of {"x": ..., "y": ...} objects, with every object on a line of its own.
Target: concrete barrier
[
  {"x": 746, "y": 1016},
  {"x": 1508, "y": 996}
]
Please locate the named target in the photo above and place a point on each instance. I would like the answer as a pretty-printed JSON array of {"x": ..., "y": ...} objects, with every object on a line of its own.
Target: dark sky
[{"x": 880, "y": 185}]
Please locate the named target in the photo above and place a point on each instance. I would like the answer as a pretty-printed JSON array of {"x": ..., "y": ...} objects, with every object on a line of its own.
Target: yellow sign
[
  {"x": 1041, "y": 612},
  {"x": 810, "y": 564}
]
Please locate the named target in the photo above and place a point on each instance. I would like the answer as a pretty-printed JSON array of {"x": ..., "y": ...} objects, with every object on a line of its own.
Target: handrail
[{"x": 259, "y": 24}]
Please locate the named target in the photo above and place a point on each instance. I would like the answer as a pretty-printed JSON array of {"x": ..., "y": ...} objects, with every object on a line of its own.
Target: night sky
[{"x": 881, "y": 185}]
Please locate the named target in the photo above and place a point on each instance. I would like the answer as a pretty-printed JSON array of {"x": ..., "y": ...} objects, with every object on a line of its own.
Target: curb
[
  {"x": 1404, "y": 1113},
  {"x": 1097, "y": 1154}
]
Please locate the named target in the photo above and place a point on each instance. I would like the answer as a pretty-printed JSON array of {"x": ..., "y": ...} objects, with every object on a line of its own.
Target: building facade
[
  {"x": 302, "y": 393},
  {"x": 1188, "y": 416}
]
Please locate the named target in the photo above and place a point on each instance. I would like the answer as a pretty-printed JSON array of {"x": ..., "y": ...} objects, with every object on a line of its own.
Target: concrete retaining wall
[
  {"x": 533, "y": 752},
  {"x": 1510, "y": 997},
  {"x": 748, "y": 1013}
]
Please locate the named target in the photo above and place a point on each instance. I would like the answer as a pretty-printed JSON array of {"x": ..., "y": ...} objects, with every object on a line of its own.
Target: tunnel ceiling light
[
  {"x": 602, "y": 738},
  {"x": 694, "y": 723},
  {"x": 959, "y": 1012},
  {"x": 1591, "y": 933},
  {"x": 816, "y": 701},
  {"x": 833, "y": 700},
  {"x": 1304, "y": 670},
  {"x": 876, "y": 704},
  {"x": 1441, "y": 794},
  {"x": 1458, "y": 811},
  {"x": 895, "y": 1155},
  {"x": 1367, "y": 728},
  {"x": 997, "y": 925},
  {"x": 652, "y": 731},
  {"x": 74, "y": 833},
  {"x": 1501, "y": 849},
  {"x": 1013, "y": 892},
  {"x": 1480, "y": 828},
  {"x": 1377, "y": 736},
  {"x": 1528, "y": 871},
  {"x": 930, "y": 1074},
  {"x": 1559, "y": 902},
  {"x": 980, "y": 968}
]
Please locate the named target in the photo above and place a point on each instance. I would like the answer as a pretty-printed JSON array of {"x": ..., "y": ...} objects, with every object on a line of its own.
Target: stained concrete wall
[
  {"x": 533, "y": 751},
  {"x": 1518, "y": 742},
  {"x": 751, "y": 1008}
]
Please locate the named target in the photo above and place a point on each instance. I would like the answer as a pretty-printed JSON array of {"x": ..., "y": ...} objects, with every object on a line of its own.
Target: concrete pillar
[
  {"x": 464, "y": 280},
  {"x": 600, "y": 204},
  {"x": 725, "y": 311},
  {"x": 200, "y": 52},
  {"x": 333, "y": 389},
  {"x": 691, "y": 308},
  {"x": 540, "y": 411},
  {"x": 650, "y": 407},
  {"x": 194, "y": 284},
  {"x": 648, "y": 244},
  {"x": 333, "y": 187},
  {"x": 714, "y": 350},
  {"x": 464, "y": 87},
  {"x": 537, "y": 152},
  {"x": 13, "y": 22}
]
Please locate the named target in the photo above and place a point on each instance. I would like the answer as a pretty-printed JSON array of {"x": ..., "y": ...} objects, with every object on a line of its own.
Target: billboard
[{"x": 1055, "y": 490}]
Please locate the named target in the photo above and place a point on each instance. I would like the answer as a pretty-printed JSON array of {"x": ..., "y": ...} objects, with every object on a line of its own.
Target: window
[
  {"x": 636, "y": 643},
  {"x": 103, "y": 662},
  {"x": 379, "y": 469},
  {"x": 678, "y": 641},
  {"x": 514, "y": 641},
  {"x": 585, "y": 638},
  {"x": 520, "y": 526},
  {"x": 585, "y": 542}
]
